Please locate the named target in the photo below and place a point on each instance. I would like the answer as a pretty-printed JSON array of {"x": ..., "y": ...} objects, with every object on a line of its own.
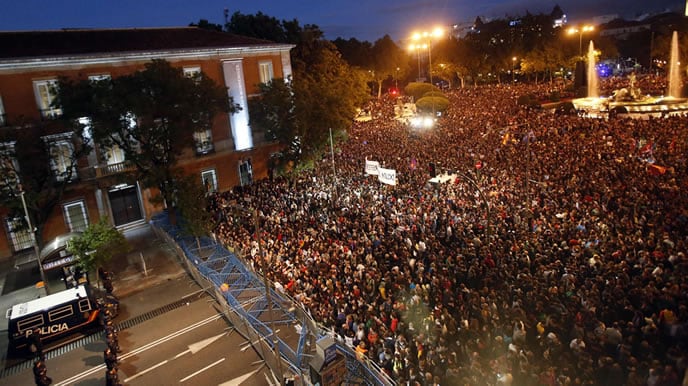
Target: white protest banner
[
  {"x": 387, "y": 176},
  {"x": 371, "y": 167}
]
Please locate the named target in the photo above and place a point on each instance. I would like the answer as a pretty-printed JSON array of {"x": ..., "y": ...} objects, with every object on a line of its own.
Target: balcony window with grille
[
  {"x": 46, "y": 92},
  {"x": 19, "y": 235},
  {"x": 265, "y": 71},
  {"x": 9, "y": 168},
  {"x": 204, "y": 141},
  {"x": 245, "y": 173},
  {"x": 61, "y": 153},
  {"x": 75, "y": 216},
  {"x": 209, "y": 180},
  {"x": 192, "y": 72},
  {"x": 114, "y": 154}
]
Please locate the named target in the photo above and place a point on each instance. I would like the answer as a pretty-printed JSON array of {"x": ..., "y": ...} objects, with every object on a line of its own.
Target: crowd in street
[{"x": 555, "y": 255}]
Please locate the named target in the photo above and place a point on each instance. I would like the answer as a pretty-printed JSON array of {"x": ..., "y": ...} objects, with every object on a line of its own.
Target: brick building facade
[{"x": 229, "y": 155}]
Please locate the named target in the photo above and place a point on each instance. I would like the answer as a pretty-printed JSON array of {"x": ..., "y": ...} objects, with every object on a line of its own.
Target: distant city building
[
  {"x": 604, "y": 19},
  {"x": 460, "y": 30}
]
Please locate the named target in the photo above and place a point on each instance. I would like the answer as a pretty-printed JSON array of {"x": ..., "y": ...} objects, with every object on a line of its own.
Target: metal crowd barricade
[{"x": 241, "y": 294}]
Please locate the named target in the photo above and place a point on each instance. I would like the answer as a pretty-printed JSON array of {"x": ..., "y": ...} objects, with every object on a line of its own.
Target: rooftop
[{"x": 70, "y": 42}]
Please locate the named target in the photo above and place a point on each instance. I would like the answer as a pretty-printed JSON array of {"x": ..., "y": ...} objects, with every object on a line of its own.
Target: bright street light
[
  {"x": 425, "y": 41},
  {"x": 580, "y": 31}
]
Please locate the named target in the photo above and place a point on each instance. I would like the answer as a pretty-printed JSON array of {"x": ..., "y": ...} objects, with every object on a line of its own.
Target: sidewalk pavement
[{"x": 150, "y": 262}]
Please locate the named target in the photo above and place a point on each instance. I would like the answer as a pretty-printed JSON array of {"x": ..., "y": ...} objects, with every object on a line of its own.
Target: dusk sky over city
[{"x": 364, "y": 20}]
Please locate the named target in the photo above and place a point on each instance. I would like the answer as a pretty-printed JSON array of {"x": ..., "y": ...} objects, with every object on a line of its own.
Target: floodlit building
[{"x": 228, "y": 155}]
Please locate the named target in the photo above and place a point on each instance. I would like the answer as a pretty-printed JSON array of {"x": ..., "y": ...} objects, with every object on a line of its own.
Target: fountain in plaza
[
  {"x": 593, "y": 79},
  {"x": 630, "y": 100},
  {"x": 674, "y": 69}
]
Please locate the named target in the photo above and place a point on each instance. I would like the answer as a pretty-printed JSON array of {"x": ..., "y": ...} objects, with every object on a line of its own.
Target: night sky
[{"x": 362, "y": 19}]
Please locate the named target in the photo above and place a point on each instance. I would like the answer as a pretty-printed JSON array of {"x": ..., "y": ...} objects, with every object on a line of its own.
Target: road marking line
[
  {"x": 202, "y": 370},
  {"x": 172, "y": 336},
  {"x": 93, "y": 370},
  {"x": 145, "y": 371},
  {"x": 239, "y": 380}
]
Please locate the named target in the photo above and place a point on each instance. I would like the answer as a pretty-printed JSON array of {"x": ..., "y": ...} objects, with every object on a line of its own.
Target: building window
[
  {"x": 20, "y": 237},
  {"x": 114, "y": 154},
  {"x": 204, "y": 141},
  {"x": 61, "y": 153},
  {"x": 99, "y": 77},
  {"x": 46, "y": 92},
  {"x": 9, "y": 168},
  {"x": 75, "y": 216},
  {"x": 209, "y": 180},
  {"x": 265, "y": 70},
  {"x": 3, "y": 118},
  {"x": 192, "y": 72},
  {"x": 245, "y": 172}
]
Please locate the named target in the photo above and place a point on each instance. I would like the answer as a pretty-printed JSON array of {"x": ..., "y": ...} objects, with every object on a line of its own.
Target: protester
[{"x": 560, "y": 260}]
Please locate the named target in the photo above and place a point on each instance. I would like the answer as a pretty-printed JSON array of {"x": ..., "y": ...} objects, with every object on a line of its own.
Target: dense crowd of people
[{"x": 554, "y": 255}]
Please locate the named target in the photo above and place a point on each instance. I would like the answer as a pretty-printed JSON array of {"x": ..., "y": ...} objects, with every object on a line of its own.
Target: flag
[
  {"x": 387, "y": 176},
  {"x": 647, "y": 148},
  {"x": 656, "y": 170},
  {"x": 371, "y": 167}
]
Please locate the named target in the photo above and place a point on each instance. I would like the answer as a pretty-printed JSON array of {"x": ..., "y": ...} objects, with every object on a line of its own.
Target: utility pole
[{"x": 35, "y": 242}]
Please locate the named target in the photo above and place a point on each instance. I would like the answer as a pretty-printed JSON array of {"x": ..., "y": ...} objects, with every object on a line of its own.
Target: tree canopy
[
  {"x": 322, "y": 95},
  {"x": 98, "y": 244},
  {"x": 40, "y": 161},
  {"x": 150, "y": 114}
]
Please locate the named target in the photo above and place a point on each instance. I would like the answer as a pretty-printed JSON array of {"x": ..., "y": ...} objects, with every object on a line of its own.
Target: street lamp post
[
  {"x": 513, "y": 69},
  {"x": 580, "y": 30},
  {"x": 35, "y": 242},
  {"x": 417, "y": 48}
]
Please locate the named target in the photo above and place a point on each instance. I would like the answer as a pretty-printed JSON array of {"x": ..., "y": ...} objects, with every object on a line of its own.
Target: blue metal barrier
[{"x": 221, "y": 266}]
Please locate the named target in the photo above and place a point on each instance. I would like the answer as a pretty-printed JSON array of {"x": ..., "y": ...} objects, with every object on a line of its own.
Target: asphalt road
[{"x": 192, "y": 345}]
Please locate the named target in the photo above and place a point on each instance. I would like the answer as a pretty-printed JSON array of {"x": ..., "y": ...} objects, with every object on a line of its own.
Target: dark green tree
[
  {"x": 40, "y": 161},
  {"x": 192, "y": 203},
  {"x": 98, "y": 244},
  {"x": 386, "y": 58},
  {"x": 355, "y": 52},
  {"x": 323, "y": 94},
  {"x": 273, "y": 111},
  {"x": 205, "y": 24},
  {"x": 262, "y": 26}
]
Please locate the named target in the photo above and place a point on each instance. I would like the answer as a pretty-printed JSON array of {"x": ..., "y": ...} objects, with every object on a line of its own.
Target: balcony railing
[
  {"x": 112, "y": 169},
  {"x": 101, "y": 171}
]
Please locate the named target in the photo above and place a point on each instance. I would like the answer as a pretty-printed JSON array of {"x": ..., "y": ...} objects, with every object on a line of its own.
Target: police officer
[
  {"x": 40, "y": 373},
  {"x": 106, "y": 278},
  {"x": 111, "y": 378},
  {"x": 110, "y": 358},
  {"x": 36, "y": 344},
  {"x": 110, "y": 328},
  {"x": 113, "y": 342}
]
